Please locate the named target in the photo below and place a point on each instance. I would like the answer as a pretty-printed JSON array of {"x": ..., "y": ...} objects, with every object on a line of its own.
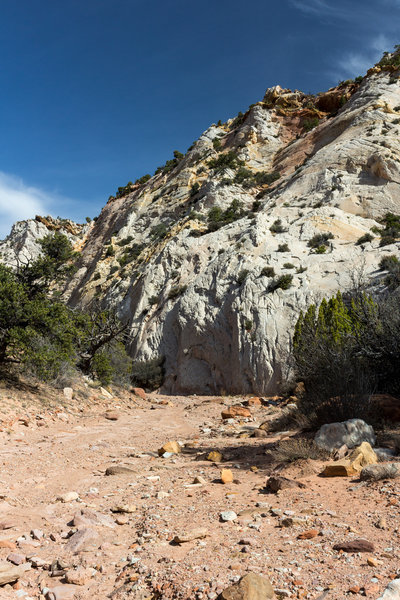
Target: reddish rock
[
  {"x": 255, "y": 401},
  {"x": 308, "y": 535},
  {"x": 358, "y": 545},
  {"x": 235, "y": 411},
  {"x": 112, "y": 416},
  {"x": 140, "y": 393},
  {"x": 275, "y": 484}
]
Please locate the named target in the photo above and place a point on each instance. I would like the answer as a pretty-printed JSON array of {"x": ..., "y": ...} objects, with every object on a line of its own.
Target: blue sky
[{"x": 99, "y": 92}]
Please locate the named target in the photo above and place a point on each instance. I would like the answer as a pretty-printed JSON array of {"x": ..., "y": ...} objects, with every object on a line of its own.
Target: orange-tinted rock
[
  {"x": 235, "y": 411},
  {"x": 140, "y": 393},
  {"x": 255, "y": 401},
  {"x": 308, "y": 535},
  {"x": 226, "y": 476}
]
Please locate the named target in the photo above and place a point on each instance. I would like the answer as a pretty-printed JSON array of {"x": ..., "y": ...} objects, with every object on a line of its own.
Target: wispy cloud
[
  {"x": 19, "y": 201},
  {"x": 321, "y": 8},
  {"x": 357, "y": 63}
]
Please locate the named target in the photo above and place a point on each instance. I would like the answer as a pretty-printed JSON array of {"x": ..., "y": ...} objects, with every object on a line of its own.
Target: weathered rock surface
[
  {"x": 392, "y": 592},
  {"x": 380, "y": 471},
  {"x": 250, "y": 587},
  {"x": 358, "y": 545},
  {"x": 10, "y": 573},
  {"x": 350, "y": 433},
  {"x": 180, "y": 289}
]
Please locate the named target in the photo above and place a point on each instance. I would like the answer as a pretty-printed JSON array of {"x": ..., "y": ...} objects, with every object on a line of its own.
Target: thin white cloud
[
  {"x": 357, "y": 63},
  {"x": 19, "y": 201},
  {"x": 320, "y": 8}
]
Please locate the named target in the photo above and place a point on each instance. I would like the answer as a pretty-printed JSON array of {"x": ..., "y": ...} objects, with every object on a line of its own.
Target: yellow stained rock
[
  {"x": 340, "y": 468},
  {"x": 363, "y": 456},
  {"x": 226, "y": 476},
  {"x": 173, "y": 447},
  {"x": 215, "y": 456}
]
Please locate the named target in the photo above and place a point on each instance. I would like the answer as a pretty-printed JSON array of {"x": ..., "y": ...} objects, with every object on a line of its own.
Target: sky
[{"x": 96, "y": 93}]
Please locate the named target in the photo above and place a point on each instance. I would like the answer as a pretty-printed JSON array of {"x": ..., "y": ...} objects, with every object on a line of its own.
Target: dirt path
[{"x": 130, "y": 554}]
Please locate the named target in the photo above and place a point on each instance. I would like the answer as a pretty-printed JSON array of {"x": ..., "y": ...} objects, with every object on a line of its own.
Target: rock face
[
  {"x": 350, "y": 433},
  {"x": 21, "y": 245},
  {"x": 392, "y": 591},
  {"x": 195, "y": 291},
  {"x": 380, "y": 471},
  {"x": 250, "y": 587}
]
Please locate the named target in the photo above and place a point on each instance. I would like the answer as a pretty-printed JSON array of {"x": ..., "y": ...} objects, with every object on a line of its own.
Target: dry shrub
[
  {"x": 293, "y": 449},
  {"x": 288, "y": 418}
]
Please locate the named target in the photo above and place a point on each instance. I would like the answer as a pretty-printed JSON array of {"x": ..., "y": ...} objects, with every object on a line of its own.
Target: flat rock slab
[
  {"x": 351, "y": 433},
  {"x": 250, "y": 587},
  {"x": 358, "y": 545},
  {"x": 84, "y": 540},
  {"x": 86, "y": 518},
  {"x": 192, "y": 534},
  {"x": 10, "y": 573},
  {"x": 380, "y": 471},
  {"x": 119, "y": 470},
  {"x": 275, "y": 484},
  {"x": 62, "y": 592}
]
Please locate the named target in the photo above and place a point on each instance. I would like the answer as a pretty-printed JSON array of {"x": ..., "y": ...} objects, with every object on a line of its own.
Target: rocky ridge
[{"x": 217, "y": 294}]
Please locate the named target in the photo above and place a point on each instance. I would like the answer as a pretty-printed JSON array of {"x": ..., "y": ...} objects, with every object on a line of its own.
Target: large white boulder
[{"x": 350, "y": 433}]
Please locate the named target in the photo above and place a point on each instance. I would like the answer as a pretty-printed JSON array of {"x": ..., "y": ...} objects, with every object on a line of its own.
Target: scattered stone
[
  {"x": 170, "y": 447},
  {"x": 111, "y": 416},
  {"x": 7, "y": 544},
  {"x": 362, "y": 456},
  {"x": 199, "y": 480},
  {"x": 276, "y": 484},
  {"x": 78, "y": 576},
  {"x": 228, "y": 515},
  {"x": 250, "y": 587},
  {"x": 260, "y": 433},
  {"x": 122, "y": 520},
  {"x": 308, "y": 535},
  {"x": 352, "y": 433},
  {"x": 226, "y": 476},
  {"x": 235, "y": 411},
  {"x": 124, "y": 508},
  {"x": 372, "y": 562},
  {"x": 392, "y": 592},
  {"x": 381, "y": 524},
  {"x": 68, "y": 393},
  {"x": 358, "y": 545},
  {"x": 37, "y": 534},
  {"x": 139, "y": 392},
  {"x": 215, "y": 456},
  {"x": 84, "y": 540},
  {"x": 341, "y": 468},
  {"x": 290, "y": 521},
  {"x": 62, "y": 592},
  {"x": 87, "y": 518},
  {"x": 10, "y": 573},
  {"x": 15, "y": 558},
  {"x": 380, "y": 471},
  {"x": 68, "y": 497},
  {"x": 255, "y": 401},
  {"x": 190, "y": 535},
  {"x": 119, "y": 470},
  {"x": 106, "y": 393}
]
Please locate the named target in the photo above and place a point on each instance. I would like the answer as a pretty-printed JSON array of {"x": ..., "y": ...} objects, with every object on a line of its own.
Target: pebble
[
  {"x": 68, "y": 497},
  {"x": 228, "y": 515}
]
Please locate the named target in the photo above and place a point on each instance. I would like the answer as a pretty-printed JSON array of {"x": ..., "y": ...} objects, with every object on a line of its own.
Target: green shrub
[
  {"x": 332, "y": 346},
  {"x": 144, "y": 179},
  {"x": 288, "y": 265},
  {"x": 319, "y": 239},
  {"x": 125, "y": 241},
  {"x": 268, "y": 272},
  {"x": 148, "y": 374},
  {"x": 320, "y": 249},
  {"x": 367, "y": 237},
  {"x": 227, "y": 160},
  {"x": 110, "y": 251},
  {"x": 283, "y": 248},
  {"x": 218, "y": 218},
  {"x": 217, "y": 144},
  {"x": 242, "y": 276},
  {"x": 159, "y": 232},
  {"x": 284, "y": 282},
  {"x": 96, "y": 276},
  {"x": 248, "y": 325},
  {"x": 277, "y": 227},
  {"x": 310, "y": 124},
  {"x": 294, "y": 449},
  {"x": 154, "y": 300},
  {"x": 176, "y": 291},
  {"x": 194, "y": 189},
  {"x": 170, "y": 164}
]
